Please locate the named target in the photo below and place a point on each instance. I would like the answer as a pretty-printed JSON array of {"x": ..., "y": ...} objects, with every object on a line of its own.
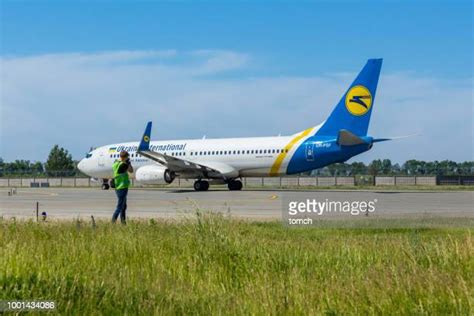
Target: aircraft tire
[
  {"x": 234, "y": 185},
  {"x": 201, "y": 185}
]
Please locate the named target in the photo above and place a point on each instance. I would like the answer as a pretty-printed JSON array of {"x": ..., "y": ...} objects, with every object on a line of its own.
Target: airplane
[{"x": 225, "y": 161}]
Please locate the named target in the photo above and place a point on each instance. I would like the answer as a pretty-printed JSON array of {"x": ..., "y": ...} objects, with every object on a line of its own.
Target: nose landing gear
[{"x": 105, "y": 184}]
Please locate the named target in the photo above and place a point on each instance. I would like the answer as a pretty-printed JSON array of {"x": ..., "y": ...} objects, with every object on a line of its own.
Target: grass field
[{"x": 213, "y": 264}]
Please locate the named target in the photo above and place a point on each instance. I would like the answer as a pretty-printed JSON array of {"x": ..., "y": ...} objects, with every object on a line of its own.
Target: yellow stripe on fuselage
[{"x": 274, "y": 171}]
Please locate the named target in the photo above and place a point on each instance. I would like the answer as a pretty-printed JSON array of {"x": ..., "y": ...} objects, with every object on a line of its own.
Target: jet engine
[{"x": 154, "y": 175}]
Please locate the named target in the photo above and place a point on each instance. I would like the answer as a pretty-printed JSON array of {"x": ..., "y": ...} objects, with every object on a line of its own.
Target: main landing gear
[
  {"x": 234, "y": 185},
  {"x": 201, "y": 185}
]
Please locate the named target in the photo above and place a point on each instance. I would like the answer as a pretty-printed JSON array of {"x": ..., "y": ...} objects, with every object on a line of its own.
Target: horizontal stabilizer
[
  {"x": 377, "y": 140},
  {"x": 346, "y": 138}
]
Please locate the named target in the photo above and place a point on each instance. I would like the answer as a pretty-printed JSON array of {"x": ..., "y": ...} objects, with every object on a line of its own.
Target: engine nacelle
[{"x": 154, "y": 175}]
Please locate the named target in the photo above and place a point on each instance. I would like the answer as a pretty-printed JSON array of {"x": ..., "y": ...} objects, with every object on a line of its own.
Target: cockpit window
[{"x": 89, "y": 155}]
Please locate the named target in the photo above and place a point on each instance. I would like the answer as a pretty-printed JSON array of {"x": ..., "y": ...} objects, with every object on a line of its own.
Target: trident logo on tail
[{"x": 358, "y": 100}]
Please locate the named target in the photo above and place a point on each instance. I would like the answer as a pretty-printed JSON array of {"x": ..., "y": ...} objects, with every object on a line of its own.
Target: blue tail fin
[{"x": 353, "y": 112}]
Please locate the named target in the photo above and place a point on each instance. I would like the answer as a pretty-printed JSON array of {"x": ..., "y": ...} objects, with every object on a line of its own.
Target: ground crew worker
[{"x": 121, "y": 169}]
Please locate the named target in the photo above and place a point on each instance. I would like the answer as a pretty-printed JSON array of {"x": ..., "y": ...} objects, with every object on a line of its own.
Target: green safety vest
[{"x": 121, "y": 179}]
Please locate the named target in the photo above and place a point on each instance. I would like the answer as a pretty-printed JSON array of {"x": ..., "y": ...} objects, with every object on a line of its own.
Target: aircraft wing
[{"x": 179, "y": 165}]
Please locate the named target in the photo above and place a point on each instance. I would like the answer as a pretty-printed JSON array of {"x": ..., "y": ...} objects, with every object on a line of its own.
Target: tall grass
[{"x": 213, "y": 264}]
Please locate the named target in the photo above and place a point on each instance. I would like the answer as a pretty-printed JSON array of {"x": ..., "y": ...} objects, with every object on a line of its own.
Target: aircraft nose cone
[{"x": 81, "y": 166}]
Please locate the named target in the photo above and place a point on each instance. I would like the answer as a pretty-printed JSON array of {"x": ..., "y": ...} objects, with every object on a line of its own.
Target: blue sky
[{"x": 278, "y": 54}]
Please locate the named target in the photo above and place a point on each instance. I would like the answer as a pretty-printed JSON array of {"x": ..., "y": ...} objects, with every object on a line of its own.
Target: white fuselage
[{"x": 248, "y": 156}]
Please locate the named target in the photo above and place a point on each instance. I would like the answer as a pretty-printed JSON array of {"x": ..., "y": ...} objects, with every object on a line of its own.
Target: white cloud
[
  {"x": 219, "y": 60},
  {"x": 82, "y": 99}
]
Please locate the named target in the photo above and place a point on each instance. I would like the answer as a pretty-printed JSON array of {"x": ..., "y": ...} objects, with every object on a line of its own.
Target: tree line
[
  {"x": 58, "y": 164},
  {"x": 411, "y": 167},
  {"x": 61, "y": 164}
]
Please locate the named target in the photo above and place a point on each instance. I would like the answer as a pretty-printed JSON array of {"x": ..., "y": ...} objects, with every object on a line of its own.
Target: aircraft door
[{"x": 101, "y": 159}]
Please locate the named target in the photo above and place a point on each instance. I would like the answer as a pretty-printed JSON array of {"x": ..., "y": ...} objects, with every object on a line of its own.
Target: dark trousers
[{"x": 121, "y": 205}]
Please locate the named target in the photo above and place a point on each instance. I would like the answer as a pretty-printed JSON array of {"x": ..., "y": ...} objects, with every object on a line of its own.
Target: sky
[{"x": 91, "y": 73}]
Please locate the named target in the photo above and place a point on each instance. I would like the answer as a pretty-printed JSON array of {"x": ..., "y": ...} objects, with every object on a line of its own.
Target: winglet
[{"x": 145, "y": 141}]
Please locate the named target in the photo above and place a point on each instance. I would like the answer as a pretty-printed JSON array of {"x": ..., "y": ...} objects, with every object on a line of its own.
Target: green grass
[{"x": 212, "y": 264}]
